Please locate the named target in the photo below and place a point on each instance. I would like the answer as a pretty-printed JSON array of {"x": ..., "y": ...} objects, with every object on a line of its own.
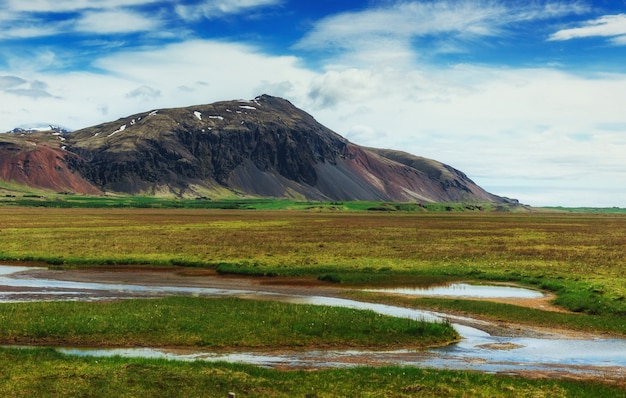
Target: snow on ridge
[
  {"x": 122, "y": 128},
  {"x": 39, "y": 128},
  {"x": 247, "y": 107},
  {"x": 198, "y": 115},
  {"x": 153, "y": 113},
  {"x": 254, "y": 101},
  {"x": 216, "y": 117}
]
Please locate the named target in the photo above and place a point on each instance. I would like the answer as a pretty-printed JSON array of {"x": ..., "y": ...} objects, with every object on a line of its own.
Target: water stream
[{"x": 478, "y": 350}]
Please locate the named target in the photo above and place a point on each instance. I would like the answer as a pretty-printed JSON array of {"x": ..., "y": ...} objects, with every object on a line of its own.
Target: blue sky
[{"x": 526, "y": 97}]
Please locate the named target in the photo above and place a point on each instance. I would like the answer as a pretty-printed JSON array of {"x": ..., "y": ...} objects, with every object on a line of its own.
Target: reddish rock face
[
  {"x": 261, "y": 148},
  {"x": 39, "y": 164}
]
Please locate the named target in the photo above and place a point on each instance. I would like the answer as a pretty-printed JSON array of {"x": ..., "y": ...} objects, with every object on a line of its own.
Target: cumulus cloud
[
  {"x": 210, "y": 9},
  {"x": 605, "y": 26}
]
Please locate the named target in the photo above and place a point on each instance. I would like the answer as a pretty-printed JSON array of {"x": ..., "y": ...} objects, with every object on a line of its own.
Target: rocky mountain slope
[{"x": 261, "y": 148}]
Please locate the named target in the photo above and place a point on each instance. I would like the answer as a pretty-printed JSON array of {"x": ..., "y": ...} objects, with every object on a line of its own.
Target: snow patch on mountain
[
  {"x": 122, "y": 128},
  {"x": 39, "y": 127}
]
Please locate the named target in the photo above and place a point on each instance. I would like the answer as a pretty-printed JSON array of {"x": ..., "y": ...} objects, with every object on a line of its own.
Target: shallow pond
[
  {"x": 478, "y": 350},
  {"x": 467, "y": 290}
]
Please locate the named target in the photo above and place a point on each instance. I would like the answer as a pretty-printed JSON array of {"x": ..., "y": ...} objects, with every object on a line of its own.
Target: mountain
[
  {"x": 39, "y": 159},
  {"x": 261, "y": 148}
]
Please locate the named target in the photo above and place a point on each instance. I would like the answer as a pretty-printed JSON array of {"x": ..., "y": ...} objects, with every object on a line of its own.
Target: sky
[{"x": 528, "y": 98}]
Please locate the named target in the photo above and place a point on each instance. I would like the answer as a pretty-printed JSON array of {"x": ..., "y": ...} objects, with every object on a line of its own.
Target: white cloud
[
  {"x": 8, "y": 82},
  {"x": 22, "y": 21},
  {"x": 619, "y": 40},
  {"x": 17, "y": 86},
  {"x": 71, "y": 5},
  {"x": 116, "y": 21},
  {"x": 605, "y": 26},
  {"x": 210, "y": 9},
  {"x": 21, "y": 30},
  {"x": 530, "y": 125},
  {"x": 404, "y": 20},
  {"x": 152, "y": 78},
  {"x": 225, "y": 67}
]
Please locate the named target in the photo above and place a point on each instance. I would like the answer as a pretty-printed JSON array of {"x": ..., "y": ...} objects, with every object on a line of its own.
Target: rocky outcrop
[
  {"x": 37, "y": 160},
  {"x": 261, "y": 148}
]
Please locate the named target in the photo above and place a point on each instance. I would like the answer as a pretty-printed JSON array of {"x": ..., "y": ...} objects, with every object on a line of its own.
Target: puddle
[
  {"x": 478, "y": 350},
  {"x": 467, "y": 290},
  {"x": 8, "y": 270}
]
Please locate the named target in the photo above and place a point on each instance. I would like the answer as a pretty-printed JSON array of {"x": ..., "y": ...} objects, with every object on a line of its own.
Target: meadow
[
  {"x": 211, "y": 323},
  {"x": 577, "y": 255}
]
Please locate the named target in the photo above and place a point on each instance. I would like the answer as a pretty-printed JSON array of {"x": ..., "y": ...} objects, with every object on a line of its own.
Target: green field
[
  {"x": 211, "y": 323},
  {"x": 577, "y": 255},
  {"x": 60, "y": 200}
]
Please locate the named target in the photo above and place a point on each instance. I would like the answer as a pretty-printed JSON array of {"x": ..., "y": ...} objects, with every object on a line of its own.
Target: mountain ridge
[{"x": 265, "y": 147}]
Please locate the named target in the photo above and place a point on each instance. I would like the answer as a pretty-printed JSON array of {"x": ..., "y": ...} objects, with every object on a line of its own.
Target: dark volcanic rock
[{"x": 260, "y": 148}]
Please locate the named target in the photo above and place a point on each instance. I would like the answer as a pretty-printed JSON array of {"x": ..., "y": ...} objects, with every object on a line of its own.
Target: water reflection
[{"x": 466, "y": 290}]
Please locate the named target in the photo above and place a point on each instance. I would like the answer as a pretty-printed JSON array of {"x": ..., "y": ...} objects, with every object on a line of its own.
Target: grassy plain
[
  {"x": 45, "y": 373},
  {"x": 579, "y": 256},
  {"x": 211, "y": 323}
]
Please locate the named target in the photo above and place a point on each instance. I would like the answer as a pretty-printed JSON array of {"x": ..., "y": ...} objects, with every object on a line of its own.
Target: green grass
[
  {"x": 20, "y": 197},
  {"x": 45, "y": 373},
  {"x": 579, "y": 256},
  {"x": 214, "y": 323},
  {"x": 504, "y": 312}
]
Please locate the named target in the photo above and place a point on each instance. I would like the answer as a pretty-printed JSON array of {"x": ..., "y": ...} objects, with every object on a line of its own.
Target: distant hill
[{"x": 261, "y": 148}]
